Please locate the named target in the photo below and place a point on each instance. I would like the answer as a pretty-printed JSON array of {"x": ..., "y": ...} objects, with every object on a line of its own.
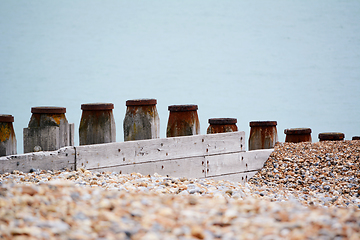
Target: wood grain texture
[
  {"x": 134, "y": 152},
  {"x": 52, "y": 160},
  {"x": 48, "y": 138},
  {"x": 187, "y": 167},
  {"x": 236, "y": 162},
  {"x": 235, "y": 177}
]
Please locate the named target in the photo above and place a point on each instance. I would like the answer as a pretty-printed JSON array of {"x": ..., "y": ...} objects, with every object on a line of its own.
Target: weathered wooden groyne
[
  {"x": 220, "y": 154},
  {"x": 215, "y": 156}
]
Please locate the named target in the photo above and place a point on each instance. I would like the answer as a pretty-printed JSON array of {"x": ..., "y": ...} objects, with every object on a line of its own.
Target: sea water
[{"x": 296, "y": 62}]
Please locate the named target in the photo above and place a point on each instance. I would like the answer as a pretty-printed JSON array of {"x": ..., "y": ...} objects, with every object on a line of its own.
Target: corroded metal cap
[
  {"x": 331, "y": 136},
  {"x": 46, "y": 110},
  {"x": 97, "y": 106},
  {"x": 296, "y": 131},
  {"x": 141, "y": 102},
  {"x": 262, "y": 123},
  {"x": 356, "y": 138},
  {"x": 6, "y": 118},
  {"x": 222, "y": 121},
  {"x": 182, "y": 108}
]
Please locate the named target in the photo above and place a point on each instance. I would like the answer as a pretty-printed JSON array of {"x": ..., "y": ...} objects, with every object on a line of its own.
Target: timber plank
[
  {"x": 236, "y": 162},
  {"x": 234, "y": 177},
  {"x": 188, "y": 167},
  {"x": 224, "y": 142},
  {"x": 49, "y": 160},
  {"x": 215, "y": 156},
  {"x": 124, "y": 153}
]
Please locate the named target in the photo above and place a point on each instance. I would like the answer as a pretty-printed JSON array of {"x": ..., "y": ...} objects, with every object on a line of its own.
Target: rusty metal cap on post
[
  {"x": 183, "y": 108},
  {"x": 331, "y": 136},
  {"x": 355, "y": 138},
  {"x": 97, "y": 106},
  {"x": 222, "y": 121},
  {"x": 296, "y": 131},
  {"x": 6, "y": 118},
  {"x": 46, "y": 110},
  {"x": 262, "y": 123},
  {"x": 141, "y": 102}
]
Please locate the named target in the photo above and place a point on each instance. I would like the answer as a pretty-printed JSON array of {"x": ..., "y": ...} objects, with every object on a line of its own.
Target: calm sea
[{"x": 296, "y": 62}]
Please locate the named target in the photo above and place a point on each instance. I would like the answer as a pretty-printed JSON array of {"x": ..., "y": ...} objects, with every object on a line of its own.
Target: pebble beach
[{"x": 304, "y": 191}]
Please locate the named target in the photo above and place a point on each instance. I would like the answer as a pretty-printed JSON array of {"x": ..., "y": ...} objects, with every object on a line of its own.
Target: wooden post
[
  {"x": 221, "y": 125},
  {"x": 331, "y": 136},
  {"x": 263, "y": 135},
  {"x": 296, "y": 135},
  {"x": 7, "y": 135},
  {"x": 48, "y": 130},
  {"x": 183, "y": 121},
  {"x": 141, "y": 120},
  {"x": 97, "y": 124}
]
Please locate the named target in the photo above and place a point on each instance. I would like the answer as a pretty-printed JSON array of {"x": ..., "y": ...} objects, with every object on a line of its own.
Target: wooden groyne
[
  {"x": 220, "y": 154},
  {"x": 215, "y": 156}
]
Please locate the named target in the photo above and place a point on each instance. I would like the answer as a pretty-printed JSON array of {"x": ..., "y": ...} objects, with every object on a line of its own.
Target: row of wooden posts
[{"x": 49, "y": 130}]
